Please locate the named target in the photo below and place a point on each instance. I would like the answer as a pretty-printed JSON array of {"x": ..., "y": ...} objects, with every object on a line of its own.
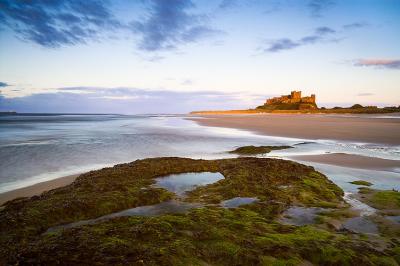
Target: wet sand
[
  {"x": 352, "y": 161},
  {"x": 363, "y": 128},
  {"x": 37, "y": 189}
]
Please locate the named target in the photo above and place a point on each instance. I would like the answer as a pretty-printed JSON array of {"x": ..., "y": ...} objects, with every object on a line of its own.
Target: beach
[
  {"x": 361, "y": 128},
  {"x": 382, "y": 130},
  {"x": 37, "y": 189},
  {"x": 352, "y": 161}
]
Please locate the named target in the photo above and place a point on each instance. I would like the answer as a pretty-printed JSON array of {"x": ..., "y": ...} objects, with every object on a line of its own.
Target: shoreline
[
  {"x": 336, "y": 159},
  {"x": 350, "y": 161},
  {"x": 37, "y": 189},
  {"x": 359, "y": 129},
  {"x": 375, "y": 130}
]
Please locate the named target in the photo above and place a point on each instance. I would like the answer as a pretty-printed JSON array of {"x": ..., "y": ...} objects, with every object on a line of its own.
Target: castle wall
[
  {"x": 277, "y": 100},
  {"x": 308, "y": 100},
  {"x": 294, "y": 97}
]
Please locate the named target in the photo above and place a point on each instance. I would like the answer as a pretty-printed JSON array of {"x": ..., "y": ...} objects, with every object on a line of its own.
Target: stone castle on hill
[
  {"x": 294, "y": 97},
  {"x": 294, "y": 101}
]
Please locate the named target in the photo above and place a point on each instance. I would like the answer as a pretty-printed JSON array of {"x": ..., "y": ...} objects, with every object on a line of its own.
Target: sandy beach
[
  {"x": 352, "y": 161},
  {"x": 334, "y": 127},
  {"x": 37, "y": 189}
]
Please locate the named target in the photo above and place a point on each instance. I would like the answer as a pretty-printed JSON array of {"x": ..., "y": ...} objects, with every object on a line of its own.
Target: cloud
[
  {"x": 282, "y": 44},
  {"x": 169, "y": 24},
  {"x": 122, "y": 97},
  {"x": 4, "y": 84},
  {"x": 378, "y": 63},
  {"x": 199, "y": 32},
  {"x": 225, "y": 4},
  {"x": 126, "y": 101},
  {"x": 317, "y": 7},
  {"x": 187, "y": 82},
  {"x": 59, "y": 22},
  {"x": 319, "y": 35},
  {"x": 365, "y": 94},
  {"x": 355, "y": 25},
  {"x": 324, "y": 30}
]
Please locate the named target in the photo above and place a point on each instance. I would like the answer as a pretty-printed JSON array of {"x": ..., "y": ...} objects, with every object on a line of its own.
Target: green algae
[
  {"x": 380, "y": 199},
  {"x": 213, "y": 236},
  {"x": 361, "y": 183},
  {"x": 255, "y": 150},
  {"x": 387, "y": 202},
  {"x": 248, "y": 235}
]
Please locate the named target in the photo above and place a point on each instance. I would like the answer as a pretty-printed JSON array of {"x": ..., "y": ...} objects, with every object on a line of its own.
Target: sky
[{"x": 175, "y": 56}]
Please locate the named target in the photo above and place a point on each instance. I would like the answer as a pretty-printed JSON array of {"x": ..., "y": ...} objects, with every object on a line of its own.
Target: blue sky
[{"x": 164, "y": 56}]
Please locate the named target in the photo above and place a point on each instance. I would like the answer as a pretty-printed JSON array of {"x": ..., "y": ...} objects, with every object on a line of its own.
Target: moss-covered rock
[
  {"x": 361, "y": 183},
  {"x": 255, "y": 150},
  {"x": 207, "y": 236},
  {"x": 380, "y": 199},
  {"x": 248, "y": 235},
  {"x": 387, "y": 202}
]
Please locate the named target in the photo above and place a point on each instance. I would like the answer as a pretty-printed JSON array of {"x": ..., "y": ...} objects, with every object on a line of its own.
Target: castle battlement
[{"x": 293, "y": 97}]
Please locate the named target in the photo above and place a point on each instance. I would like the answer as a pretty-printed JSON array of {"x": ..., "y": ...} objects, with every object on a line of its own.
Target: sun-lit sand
[
  {"x": 37, "y": 189},
  {"x": 360, "y": 128},
  {"x": 351, "y": 160}
]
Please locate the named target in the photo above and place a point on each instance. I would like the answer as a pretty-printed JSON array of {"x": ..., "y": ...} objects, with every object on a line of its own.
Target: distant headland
[
  {"x": 8, "y": 113},
  {"x": 295, "y": 103}
]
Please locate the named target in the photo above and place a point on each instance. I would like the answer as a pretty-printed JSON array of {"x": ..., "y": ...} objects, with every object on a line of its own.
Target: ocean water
[{"x": 36, "y": 148}]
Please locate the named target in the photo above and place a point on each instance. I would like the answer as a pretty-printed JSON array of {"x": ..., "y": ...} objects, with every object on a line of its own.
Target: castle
[
  {"x": 292, "y": 101},
  {"x": 294, "y": 97}
]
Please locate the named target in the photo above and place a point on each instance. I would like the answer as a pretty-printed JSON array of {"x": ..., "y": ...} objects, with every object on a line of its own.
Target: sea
[{"x": 41, "y": 147}]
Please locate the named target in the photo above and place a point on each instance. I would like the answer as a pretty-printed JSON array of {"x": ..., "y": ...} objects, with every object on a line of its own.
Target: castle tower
[{"x": 295, "y": 95}]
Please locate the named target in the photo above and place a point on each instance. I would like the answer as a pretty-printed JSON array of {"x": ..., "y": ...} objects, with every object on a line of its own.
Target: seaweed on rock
[{"x": 211, "y": 235}]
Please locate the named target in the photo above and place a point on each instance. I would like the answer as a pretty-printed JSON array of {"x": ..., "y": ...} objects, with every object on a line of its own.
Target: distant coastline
[
  {"x": 384, "y": 110},
  {"x": 50, "y": 114},
  {"x": 295, "y": 103},
  {"x": 8, "y": 113}
]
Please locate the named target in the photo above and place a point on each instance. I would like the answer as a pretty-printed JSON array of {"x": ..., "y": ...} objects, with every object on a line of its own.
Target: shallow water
[
  {"x": 171, "y": 206},
  {"x": 238, "y": 201},
  {"x": 361, "y": 225},
  {"x": 181, "y": 183},
  {"x": 300, "y": 215},
  {"x": 395, "y": 219},
  {"x": 37, "y": 148},
  {"x": 362, "y": 208}
]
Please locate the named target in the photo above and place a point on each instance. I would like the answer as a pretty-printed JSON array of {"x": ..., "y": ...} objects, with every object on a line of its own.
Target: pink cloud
[{"x": 381, "y": 63}]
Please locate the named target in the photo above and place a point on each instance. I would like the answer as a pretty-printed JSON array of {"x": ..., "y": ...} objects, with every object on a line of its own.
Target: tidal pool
[
  {"x": 361, "y": 225},
  {"x": 395, "y": 219},
  {"x": 182, "y": 183},
  {"x": 300, "y": 215},
  {"x": 177, "y": 183},
  {"x": 238, "y": 201},
  {"x": 171, "y": 206}
]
